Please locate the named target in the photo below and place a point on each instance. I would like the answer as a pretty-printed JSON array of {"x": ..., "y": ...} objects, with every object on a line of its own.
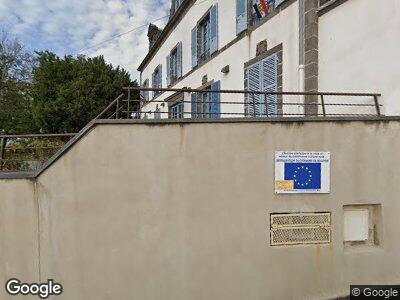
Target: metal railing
[
  {"x": 246, "y": 104},
  {"x": 27, "y": 153}
]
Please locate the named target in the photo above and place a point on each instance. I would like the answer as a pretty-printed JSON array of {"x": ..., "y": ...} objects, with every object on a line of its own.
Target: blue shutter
[
  {"x": 160, "y": 76},
  {"x": 254, "y": 84},
  {"x": 194, "y": 105},
  {"x": 179, "y": 60},
  {"x": 215, "y": 105},
  {"x": 168, "y": 70},
  {"x": 241, "y": 16},
  {"x": 270, "y": 83},
  {"x": 214, "y": 29},
  {"x": 194, "y": 47},
  {"x": 278, "y": 2}
]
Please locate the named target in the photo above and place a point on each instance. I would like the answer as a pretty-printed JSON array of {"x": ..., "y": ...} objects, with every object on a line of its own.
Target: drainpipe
[{"x": 300, "y": 108}]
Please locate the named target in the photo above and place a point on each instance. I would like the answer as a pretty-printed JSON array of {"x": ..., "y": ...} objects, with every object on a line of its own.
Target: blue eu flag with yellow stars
[{"x": 305, "y": 176}]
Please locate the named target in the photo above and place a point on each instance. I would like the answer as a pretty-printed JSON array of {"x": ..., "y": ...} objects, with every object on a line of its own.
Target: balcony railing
[
  {"x": 27, "y": 153},
  {"x": 249, "y": 104}
]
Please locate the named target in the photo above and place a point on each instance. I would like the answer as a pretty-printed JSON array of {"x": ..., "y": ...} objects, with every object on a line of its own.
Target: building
[{"x": 272, "y": 45}]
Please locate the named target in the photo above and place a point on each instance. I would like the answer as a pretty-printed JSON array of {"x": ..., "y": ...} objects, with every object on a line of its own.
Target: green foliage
[
  {"x": 69, "y": 92},
  {"x": 16, "y": 66},
  {"x": 29, "y": 154}
]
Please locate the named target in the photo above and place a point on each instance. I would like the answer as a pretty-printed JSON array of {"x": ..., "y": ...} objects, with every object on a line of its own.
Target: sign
[{"x": 302, "y": 172}]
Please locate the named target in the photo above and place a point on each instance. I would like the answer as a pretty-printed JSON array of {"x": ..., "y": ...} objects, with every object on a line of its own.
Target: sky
[{"x": 71, "y": 26}]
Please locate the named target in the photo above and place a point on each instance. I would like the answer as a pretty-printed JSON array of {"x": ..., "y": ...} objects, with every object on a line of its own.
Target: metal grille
[{"x": 300, "y": 228}]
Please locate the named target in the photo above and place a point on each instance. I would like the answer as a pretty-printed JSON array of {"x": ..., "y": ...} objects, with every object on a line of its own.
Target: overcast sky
[{"x": 68, "y": 26}]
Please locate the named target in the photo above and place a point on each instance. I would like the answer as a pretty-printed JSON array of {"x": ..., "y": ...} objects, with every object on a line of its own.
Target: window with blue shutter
[
  {"x": 254, "y": 84},
  {"x": 168, "y": 70},
  {"x": 205, "y": 37},
  {"x": 174, "y": 64},
  {"x": 263, "y": 76},
  {"x": 157, "y": 80},
  {"x": 194, "y": 105},
  {"x": 176, "y": 110},
  {"x": 270, "y": 82},
  {"x": 144, "y": 95},
  {"x": 194, "y": 47},
  {"x": 241, "y": 16},
  {"x": 214, "y": 29},
  {"x": 179, "y": 60},
  {"x": 215, "y": 101}
]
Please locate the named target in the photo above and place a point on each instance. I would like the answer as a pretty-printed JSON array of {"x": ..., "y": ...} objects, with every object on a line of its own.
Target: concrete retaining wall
[{"x": 181, "y": 211}]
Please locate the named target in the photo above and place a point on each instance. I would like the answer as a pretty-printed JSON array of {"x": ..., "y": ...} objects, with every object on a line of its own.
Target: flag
[
  {"x": 257, "y": 11},
  {"x": 264, "y": 7},
  {"x": 305, "y": 176}
]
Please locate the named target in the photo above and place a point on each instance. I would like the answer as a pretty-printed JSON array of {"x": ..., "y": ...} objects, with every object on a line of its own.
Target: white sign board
[{"x": 302, "y": 172}]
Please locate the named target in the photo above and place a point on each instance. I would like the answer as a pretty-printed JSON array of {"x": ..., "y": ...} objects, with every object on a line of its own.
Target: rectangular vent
[{"x": 300, "y": 228}]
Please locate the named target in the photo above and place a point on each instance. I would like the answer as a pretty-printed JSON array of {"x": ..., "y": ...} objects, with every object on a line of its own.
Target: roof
[{"x": 173, "y": 21}]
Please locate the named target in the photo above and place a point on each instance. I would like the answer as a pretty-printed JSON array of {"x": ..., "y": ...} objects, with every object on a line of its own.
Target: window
[
  {"x": 203, "y": 33},
  {"x": 205, "y": 37},
  {"x": 176, "y": 110},
  {"x": 207, "y": 105},
  {"x": 263, "y": 76},
  {"x": 157, "y": 80},
  {"x": 300, "y": 228},
  {"x": 241, "y": 16},
  {"x": 361, "y": 225},
  {"x": 157, "y": 113},
  {"x": 174, "y": 64},
  {"x": 145, "y": 94}
]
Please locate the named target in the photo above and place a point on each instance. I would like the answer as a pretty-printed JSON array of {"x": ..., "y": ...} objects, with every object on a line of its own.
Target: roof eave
[{"x": 170, "y": 25}]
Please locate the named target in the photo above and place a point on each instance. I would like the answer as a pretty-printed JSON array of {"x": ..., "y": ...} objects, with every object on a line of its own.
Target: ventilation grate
[{"x": 300, "y": 228}]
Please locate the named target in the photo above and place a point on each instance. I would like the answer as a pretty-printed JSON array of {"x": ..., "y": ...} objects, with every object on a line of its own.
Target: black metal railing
[
  {"x": 246, "y": 104},
  {"x": 27, "y": 153}
]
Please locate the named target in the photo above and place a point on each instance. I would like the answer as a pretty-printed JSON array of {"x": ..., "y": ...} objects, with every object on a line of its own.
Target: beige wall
[
  {"x": 18, "y": 233},
  {"x": 358, "y": 50},
  {"x": 181, "y": 211}
]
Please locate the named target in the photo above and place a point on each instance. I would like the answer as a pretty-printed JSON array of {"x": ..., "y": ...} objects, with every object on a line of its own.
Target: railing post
[
  {"x": 3, "y": 144},
  {"x": 129, "y": 104},
  {"x": 323, "y": 105},
  {"x": 117, "y": 109},
  {"x": 378, "y": 109},
  {"x": 254, "y": 105},
  {"x": 266, "y": 105}
]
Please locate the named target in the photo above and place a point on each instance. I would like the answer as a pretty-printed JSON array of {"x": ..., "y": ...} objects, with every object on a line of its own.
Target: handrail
[
  {"x": 109, "y": 106},
  {"x": 189, "y": 90}
]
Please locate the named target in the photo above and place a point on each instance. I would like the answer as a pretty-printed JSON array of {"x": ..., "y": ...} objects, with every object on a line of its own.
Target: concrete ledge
[{"x": 17, "y": 175}]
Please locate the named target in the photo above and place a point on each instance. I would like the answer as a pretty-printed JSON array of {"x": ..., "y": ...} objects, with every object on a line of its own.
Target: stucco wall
[
  {"x": 18, "y": 233},
  {"x": 181, "y": 211},
  {"x": 358, "y": 50},
  {"x": 281, "y": 29}
]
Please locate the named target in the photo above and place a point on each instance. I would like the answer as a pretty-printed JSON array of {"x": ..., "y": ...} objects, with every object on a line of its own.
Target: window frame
[
  {"x": 204, "y": 44},
  {"x": 175, "y": 100},
  {"x": 157, "y": 80},
  {"x": 173, "y": 66}
]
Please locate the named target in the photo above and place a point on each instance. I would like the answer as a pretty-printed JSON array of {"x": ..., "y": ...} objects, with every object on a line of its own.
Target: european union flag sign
[
  {"x": 305, "y": 176},
  {"x": 302, "y": 172}
]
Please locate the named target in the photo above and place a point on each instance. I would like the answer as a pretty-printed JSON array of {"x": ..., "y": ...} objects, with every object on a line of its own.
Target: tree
[
  {"x": 69, "y": 92},
  {"x": 16, "y": 65}
]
